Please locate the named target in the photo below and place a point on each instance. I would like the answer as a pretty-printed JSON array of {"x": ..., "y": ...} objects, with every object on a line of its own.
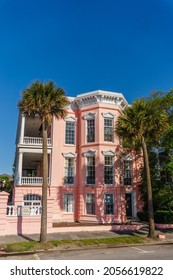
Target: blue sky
[{"x": 118, "y": 45}]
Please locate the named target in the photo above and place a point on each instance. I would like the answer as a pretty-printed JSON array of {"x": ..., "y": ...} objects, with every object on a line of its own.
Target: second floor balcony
[{"x": 35, "y": 141}]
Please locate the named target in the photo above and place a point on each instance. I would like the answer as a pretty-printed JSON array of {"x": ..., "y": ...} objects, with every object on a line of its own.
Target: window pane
[
  {"x": 69, "y": 171},
  {"x": 32, "y": 200},
  {"x": 90, "y": 204},
  {"x": 108, "y": 204},
  {"x": 69, "y": 132},
  {"x": 90, "y": 130},
  {"x": 128, "y": 172},
  {"x": 90, "y": 171},
  {"x": 108, "y": 130},
  {"x": 68, "y": 202},
  {"x": 108, "y": 170}
]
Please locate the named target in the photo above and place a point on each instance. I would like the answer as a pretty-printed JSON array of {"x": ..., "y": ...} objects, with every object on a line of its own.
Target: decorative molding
[
  {"x": 128, "y": 158},
  {"x": 89, "y": 116},
  {"x": 100, "y": 96},
  {"x": 108, "y": 153},
  {"x": 108, "y": 115},
  {"x": 70, "y": 119},
  {"x": 89, "y": 153},
  {"x": 69, "y": 155}
]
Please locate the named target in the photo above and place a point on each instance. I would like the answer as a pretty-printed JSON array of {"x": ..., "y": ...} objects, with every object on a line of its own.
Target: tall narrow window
[
  {"x": 128, "y": 172},
  {"x": 69, "y": 132},
  {"x": 108, "y": 170},
  {"x": 108, "y": 129},
  {"x": 69, "y": 171},
  {"x": 90, "y": 131},
  {"x": 109, "y": 204},
  {"x": 90, "y": 204},
  {"x": 90, "y": 171},
  {"x": 68, "y": 203}
]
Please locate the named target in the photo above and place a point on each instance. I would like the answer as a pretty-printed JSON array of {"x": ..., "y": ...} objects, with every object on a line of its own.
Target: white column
[
  {"x": 22, "y": 129},
  {"x": 20, "y": 163}
]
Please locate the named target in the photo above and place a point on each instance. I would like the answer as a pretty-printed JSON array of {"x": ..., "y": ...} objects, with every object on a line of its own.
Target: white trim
[
  {"x": 37, "y": 151},
  {"x": 70, "y": 119},
  {"x": 89, "y": 116},
  {"x": 128, "y": 158},
  {"x": 108, "y": 115},
  {"x": 100, "y": 96},
  {"x": 108, "y": 153},
  {"x": 69, "y": 155},
  {"x": 89, "y": 153},
  {"x": 66, "y": 212}
]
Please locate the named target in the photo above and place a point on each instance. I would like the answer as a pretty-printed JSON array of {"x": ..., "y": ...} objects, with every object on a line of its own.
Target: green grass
[{"x": 33, "y": 245}]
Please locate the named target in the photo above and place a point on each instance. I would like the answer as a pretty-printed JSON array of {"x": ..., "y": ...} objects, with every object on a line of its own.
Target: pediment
[
  {"x": 89, "y": 116},
  {"x": 108, "y": 115},
  {"x": 69, "y": 155},
  {"x": 89, "y": 153},
  {"x": 70, "y": 119},
  {"x": 128, "y": 158},
  {"x": 108, "y": 153}
]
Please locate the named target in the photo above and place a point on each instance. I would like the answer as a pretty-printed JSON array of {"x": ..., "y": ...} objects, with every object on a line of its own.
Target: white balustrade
[
  {"x": 24, "y": 210},
  {"x": 38, "y": 181},
  {"x": 35, "y": 141}
]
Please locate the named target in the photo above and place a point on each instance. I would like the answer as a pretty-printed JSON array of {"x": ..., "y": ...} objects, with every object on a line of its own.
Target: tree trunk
[
  {"x": 151, "y": 233},
  {"x": 43, "y": 233}
]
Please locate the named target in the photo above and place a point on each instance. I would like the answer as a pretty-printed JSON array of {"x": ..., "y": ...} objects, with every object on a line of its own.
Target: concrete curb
[{"x": 6, "y": 254}]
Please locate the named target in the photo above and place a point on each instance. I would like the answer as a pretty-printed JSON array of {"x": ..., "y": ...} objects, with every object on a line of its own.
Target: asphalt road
[{"x": 148, "y": 252}]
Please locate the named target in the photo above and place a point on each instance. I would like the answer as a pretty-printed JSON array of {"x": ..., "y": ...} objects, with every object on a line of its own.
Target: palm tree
[
  {"x": 44, "y": 101},
  {"x": 141, "y": 125}
]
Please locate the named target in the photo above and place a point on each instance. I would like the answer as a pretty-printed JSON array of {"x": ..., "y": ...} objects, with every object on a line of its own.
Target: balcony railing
[
  {"x": 23, "y": 210},
  {"x": 38, "y": 181},
  {"x": 35, "y": 141}
]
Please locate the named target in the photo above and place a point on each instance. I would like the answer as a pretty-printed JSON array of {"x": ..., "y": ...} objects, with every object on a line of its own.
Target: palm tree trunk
[
  {"x": 151, "y": 233},
  {"x": 43, "y": 233}
]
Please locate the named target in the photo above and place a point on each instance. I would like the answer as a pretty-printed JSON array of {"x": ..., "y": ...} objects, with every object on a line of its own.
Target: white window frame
[
  {"x": 31, "y": 201},
  {"x": 92, "y": 202},
  {"x": 72, "y": 121},
  {"x": 87, "y": 167},
  {"x": 128, "y": 173},
  {"x": 69, "y": 170},
  {"x": 109, "y": 116},
  {"x": 66, "y": 207},
  {"x": 113, "y": 203}
]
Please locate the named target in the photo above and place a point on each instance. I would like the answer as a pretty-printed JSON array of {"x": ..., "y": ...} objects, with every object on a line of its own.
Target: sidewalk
[{"x": 86, "y": 235}]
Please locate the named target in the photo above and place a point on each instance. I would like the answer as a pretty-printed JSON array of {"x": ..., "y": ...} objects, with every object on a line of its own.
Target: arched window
[{"x": 32, "y": 200}]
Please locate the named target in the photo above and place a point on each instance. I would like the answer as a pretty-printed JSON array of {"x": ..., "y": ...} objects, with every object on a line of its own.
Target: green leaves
[
  {"x": 44, "y": 100},
  {"x": 145, "y": 118}
]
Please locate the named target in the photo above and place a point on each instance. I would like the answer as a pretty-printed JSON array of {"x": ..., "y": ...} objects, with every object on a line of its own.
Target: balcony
[
  {"x": 32, "y": 181},
  {"x": 35, "y": 141}
]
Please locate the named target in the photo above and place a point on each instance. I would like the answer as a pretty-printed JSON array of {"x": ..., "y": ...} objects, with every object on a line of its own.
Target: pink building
[{"x": 89, "y": 178}]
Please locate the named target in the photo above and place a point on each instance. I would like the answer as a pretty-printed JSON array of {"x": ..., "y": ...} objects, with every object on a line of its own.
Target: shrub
[{"x": 163, "y": 217}]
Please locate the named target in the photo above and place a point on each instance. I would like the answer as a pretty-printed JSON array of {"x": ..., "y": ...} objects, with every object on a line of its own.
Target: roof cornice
[{"x": 102, "y": 97}]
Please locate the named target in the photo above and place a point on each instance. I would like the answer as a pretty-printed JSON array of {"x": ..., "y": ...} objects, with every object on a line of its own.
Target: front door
[{"x": 128, "y": 204}]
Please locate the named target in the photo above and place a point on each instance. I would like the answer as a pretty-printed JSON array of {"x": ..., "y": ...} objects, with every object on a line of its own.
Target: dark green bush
[
  {"x": 163, "y": 217},
  {"x": 143, "y": 216}
]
